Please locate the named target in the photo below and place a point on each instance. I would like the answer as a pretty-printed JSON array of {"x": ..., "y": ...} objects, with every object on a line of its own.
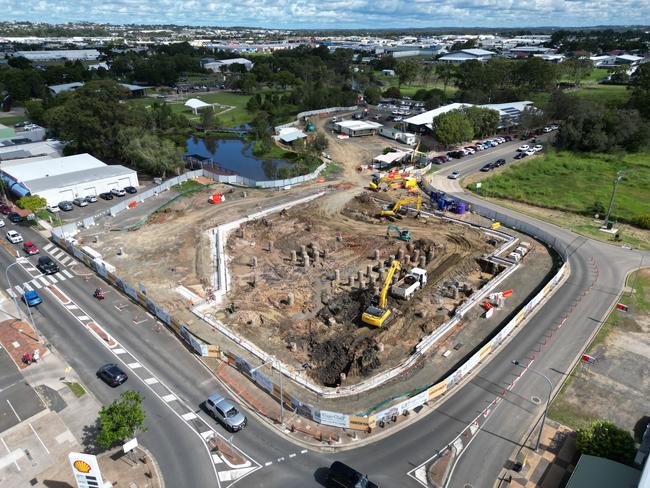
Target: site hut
[
  {"x": 388, "y": 72},
  {"x": 391, "y": 159},
  {"x": 357, "y": 128},
  {"x": 290, "y": 135},
  {"x": 66, "y": 178},
  {"x": 195, "y": 105},
  {"x": 398, "y": 135}
]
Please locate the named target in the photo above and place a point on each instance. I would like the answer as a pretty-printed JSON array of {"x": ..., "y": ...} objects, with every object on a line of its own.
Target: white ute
[{"x": 412, "y": 282}]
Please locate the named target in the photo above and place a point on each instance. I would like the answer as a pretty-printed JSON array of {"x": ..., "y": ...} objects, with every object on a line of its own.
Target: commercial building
[
  {"x": 218, "y": 65},
  {"x": 66, "y": 178},
  {"x": 137, "y": 91},
  {"x": 356, "y": 128},
  {"x": 510, "y": 112},
  {"x": 463, "y": 55},
  {"x": 62, "y": 55},
  {"x": 422, "y": 122}
]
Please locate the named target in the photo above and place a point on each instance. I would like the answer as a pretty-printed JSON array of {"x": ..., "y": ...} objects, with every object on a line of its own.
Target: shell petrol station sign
[{"x": 85, "y": 470}]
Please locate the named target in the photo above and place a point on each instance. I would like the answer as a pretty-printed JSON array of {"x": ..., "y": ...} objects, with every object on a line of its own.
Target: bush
[
  {"x": 604, "y": 439},
  {"x": 642, "y": 221}
]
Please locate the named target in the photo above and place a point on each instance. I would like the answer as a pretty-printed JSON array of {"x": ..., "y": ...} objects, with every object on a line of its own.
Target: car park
[
  {"x": 91, "y": 198},
  {"x": 530, "y": 152},
  {"x": 454, "y": 175},
  {"x": 487, "y": 167},
  {"x": 538, "y": 147},
  {"x": 52, "y": 208},
  {"x": 14, "y": 237},
  {"x": 520, "y": 155},
  {"x": 344, "y": 476},
  {"x": 47, "y": 266},
  {"x": 118, "y": 192},
  {"x": 80, "y": 202},
  {"x": 31, "y": 298},
  {"x": 106, "y": 196},
  {"x": 66, "y": 206},
  {"x": 523, "y": 148},
  {"x": 130, "y": 189},
  {"x": 16, "y": 218},
  {"x": 112, "y": 375},
  {"x": 30, "y": 248},
  {"x": 225, "y": 412}
]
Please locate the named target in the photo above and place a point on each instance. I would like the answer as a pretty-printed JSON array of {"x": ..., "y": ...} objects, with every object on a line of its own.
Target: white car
[
  {"x": 480, "y": 147},
  {"x": 2, "y": 223},
  {"x": 500, "y": 140},
  {"x": 454, "y": 175},
  {"x": 547, "y": 129},
  {"x": 53, "y": 208},
  {"x": 118, "y": 192},
  {"x": 538, "y": 147},
  {"x": 523, "y": 148},
  {"x": 530, "y": 152},
  {"x": 14, "y": 237}
]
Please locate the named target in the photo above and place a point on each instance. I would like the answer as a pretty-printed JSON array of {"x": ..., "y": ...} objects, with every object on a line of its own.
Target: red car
[
  {"x": 30, "y": 248},
  {"x": 5, "y": 209}
]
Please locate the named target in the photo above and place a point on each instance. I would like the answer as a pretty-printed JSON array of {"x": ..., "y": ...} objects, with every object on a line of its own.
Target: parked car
[
  {"x": 65, "y": 206},
  {"x": 498, "y": 163},
  {"x": 2, "y": 223},
  {"x": 508, "y": 138},
  {"x": 547, "y": 129},
  {"x": 437, "y": 160},
  {"x": 520, "y": 155},
  {"x": 454, "y": 175},
  {"x": 469, "y": 150},
  {"x": 46, "y": 265},
  {"x": 398, "y": 118},
  {"x": 444, "y": 159},
  {"x": 80, "y": 202},
  {"x": 479, "y": 147},
  {"x": 554, "y": 127},
  {"x": 118, "y": 192},
  {"x": 488, "y": 144},
  {"x": 91, "y": 198},
  {"x": 14, "y": 237},
  {"x": 106, "y": 196},
  {"x": 30, "y": 248},
  {"x": 52, "y": 208},
  {"x": 523, "y": 148},
  {"x": 530, "y": 152},
  {"x": 112, "y": 375},
  {"x": 487, "y": 167},
  {"x": 15, "y": 218},
  {"x": 5, "y": 209},
  {"x": 225, "y": 412},
  {"x": 130, "y": 189},
  {"x": 538, "y": 147},
  {"x": 346, "y": 477},
  {"x": 31, "y": 298}
]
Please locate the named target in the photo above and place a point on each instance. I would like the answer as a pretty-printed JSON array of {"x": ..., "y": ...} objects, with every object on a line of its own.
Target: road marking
[
  {"x": 72, "y": 306},
  {"x": 43, "y": 280},
  {"x": 151, "y": 381},
  {"x": 268, "y": 463},
  {"x": 135, "y": 365},
  {"x": 169, "y": 398},
  {"x": 19, "y": 289},
  {"x": 52, "y": 279},
  {"x": 17, "y": 454},
  {"x": 65, "y": 260},
  {"x": 189, "y": 416},
  {"x": 27, "y": 287},
  {"x": 11, "y": 293},
  {"x": 67, "y": 273},
  {"x": 280, "y": 459},
  {"x": 39, "y": 439},
  {"x": 36, "y": 284},
  {"x": 119, "y": 350},
  {"x": 216, "y": 459},
  {"x": 304, "y": 451},
  {"x": 83, "y": 317},
  {"x": 48, "y": 246},
  {"x": 208, "y": 434},
  {"x": 14, "y": 411}
]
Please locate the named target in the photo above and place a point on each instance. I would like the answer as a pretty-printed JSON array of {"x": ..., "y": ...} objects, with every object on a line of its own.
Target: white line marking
[
  {"x": 304, "y": 451},
  {"x": 292, "y": 456},
  {"x": 268, "y": 463},
  {"x": 11, "y": 293},
  {"x": 208, "y": 434},
  {"x": 13, "y": 456},
  {"x": 14, "y": 411},
  {"x": 36, "y": 284},
  {"x": 83, "y": 317},
  {"x": 169, "y": 398},
  {"x": 151, "y": 381},
  {"x": 280, "y": 459},
  {"x": 72, "y": 306},
  {"x": 27, "y": 287},
  {"x": 48, "y": 246},
  {"x": 19, "y": 289},
  {"x": 43, "y": 280},
  {"x": 189, "y": 416},
  {"x": 216, "y": 459},
  {"x": 67, "y": 273},
  {"x": 39, "y": 439},
  {"x": 52, "y": 279},
  {"x": 135, "y": 365},
  {"x": 119, "y": 350}
]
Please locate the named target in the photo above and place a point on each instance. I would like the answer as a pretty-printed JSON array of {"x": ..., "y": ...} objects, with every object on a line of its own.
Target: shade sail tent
[{"x": 195, "y": 104}]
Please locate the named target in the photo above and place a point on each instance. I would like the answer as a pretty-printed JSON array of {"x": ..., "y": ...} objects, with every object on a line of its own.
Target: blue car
[{"x": 31, "y": 298}]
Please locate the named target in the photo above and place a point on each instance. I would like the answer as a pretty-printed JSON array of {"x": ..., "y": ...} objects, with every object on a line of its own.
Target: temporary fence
[{"x": 311, "y": 113}]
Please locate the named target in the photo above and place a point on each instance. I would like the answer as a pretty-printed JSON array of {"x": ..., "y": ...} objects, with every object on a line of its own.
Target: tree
[
  {"x": 446, "y": 72},
  {"x": 154, "y": 155},
  {"x": 577, "y": 69},
  {"x": 207, "y": 119},
  {"x": 121, "y": 420},
  {"x": 393, "y": 92},
  {"x": 453, "y": 127},
  {"x": 406, "y": 72},
  {"x": 372, "y": 95},
  {"x": 604, "y": 439},
  {"x": 32, "y": 202},
  {"x": 484, "y": 121},
  {"x": 531, "y": 118},
  {"x": 320, "y": 143}
]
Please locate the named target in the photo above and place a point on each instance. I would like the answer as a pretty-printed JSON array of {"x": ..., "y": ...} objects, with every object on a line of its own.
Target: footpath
[{"x": 59, "y": 418}]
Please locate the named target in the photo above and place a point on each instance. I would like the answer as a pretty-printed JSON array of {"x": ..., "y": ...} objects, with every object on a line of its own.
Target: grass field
[
  {"x": 229, "y": 118},
  {"x": 573, "y": 182},
  {"x": 610, "y": 95},
  {"x": 409, "y": 90},
  {"x": 13, "y": 119}
]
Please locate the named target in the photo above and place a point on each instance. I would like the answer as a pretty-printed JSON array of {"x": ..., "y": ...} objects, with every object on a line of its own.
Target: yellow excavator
[
  {"x": 377, "y": 315},
  {"x": 386, "y": 183},
  {"x": 405, "y": 201}
]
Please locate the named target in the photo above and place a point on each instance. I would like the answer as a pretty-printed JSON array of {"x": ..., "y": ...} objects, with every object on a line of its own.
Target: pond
[{"x": 234, "y": 155}]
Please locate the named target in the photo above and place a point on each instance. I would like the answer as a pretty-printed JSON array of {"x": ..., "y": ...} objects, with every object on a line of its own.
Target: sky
[{"x": 309, "y": 14}]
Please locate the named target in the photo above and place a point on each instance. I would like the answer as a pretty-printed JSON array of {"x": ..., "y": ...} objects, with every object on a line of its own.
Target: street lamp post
[
  {"x": 548, "y": 399},
  {"x": 619, "y": 176}
]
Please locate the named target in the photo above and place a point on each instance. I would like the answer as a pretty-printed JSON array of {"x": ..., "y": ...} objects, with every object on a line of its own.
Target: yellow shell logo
[{"x": 82, "y": 466}]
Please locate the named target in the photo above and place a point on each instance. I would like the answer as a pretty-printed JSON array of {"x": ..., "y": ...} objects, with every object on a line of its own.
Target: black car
[
  {"x": 106, "y": 196},
  {"x": 498, "y": 163},
  {"x": 508, "y": 138},
  {"x": 46, "y": 265},
  {"x": 456, "y": 154},
  {"x": 130, "y": 189},
  {"x": 112, "y": 375},
  {"x": 343, "y": 475},
  {"x": 487, "y": 167},
  {"x": 15, "y": 218},
  {"x": 520, "y": 155},
  {"x": 437, "y": 160},
  {"x": 65, "y": 206}
]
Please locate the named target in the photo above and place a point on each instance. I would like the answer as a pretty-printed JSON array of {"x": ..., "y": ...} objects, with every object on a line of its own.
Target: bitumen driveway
[{"x": 18, "y": 400}]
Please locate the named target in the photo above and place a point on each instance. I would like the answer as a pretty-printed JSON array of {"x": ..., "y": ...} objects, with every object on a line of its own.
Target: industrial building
[
  {"x": 137, "y": 91},
  {"x": 61, "y": 55},
  {"x": 66, "y": 178},
  {"x": 219, "y": 64},
  {"x": 356, "y": 128},
  {"x": 463, "y": 55}
]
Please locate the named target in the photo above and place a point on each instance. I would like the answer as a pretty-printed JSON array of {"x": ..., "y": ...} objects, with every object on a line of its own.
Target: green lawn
[
  {"x": 610, "y": 95},
  {"x": 573, "y": 182},
  {"x": 76, "y": 388},
  {"x": 409, "y": 90},
  {"x": 11, "y": 120}
]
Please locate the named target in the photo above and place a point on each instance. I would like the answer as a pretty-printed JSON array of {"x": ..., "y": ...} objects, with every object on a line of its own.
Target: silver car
[{"x": 225, "y": 412}]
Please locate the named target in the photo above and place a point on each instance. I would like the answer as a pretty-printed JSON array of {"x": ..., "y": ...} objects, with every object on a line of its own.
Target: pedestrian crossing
[
  {"x": 38, "y": 283},
  {"x": 58, "y": 254}
]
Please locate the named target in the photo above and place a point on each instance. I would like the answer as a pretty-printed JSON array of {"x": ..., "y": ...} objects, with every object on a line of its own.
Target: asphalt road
[{"x": 184, "y": 461}]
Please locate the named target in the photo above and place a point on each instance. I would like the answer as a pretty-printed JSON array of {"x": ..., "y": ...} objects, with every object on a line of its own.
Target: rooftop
[
  {"x": 27, "y": 171},
  {"x": 358, "y": 124},
  {"x": 196, "y": 103},
  {"x": 426, "y": 118},
  {"x": 76, "y": 177}
]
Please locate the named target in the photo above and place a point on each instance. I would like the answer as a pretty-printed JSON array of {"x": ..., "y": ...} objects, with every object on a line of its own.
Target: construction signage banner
[{"x": 85, "y": 470}]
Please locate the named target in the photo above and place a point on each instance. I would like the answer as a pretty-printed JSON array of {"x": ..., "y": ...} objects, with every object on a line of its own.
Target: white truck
[{"x": 412, "y": 282}]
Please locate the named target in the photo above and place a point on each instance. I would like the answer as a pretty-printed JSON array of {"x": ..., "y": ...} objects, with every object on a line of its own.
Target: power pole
[{"x": 619, "y": 176}]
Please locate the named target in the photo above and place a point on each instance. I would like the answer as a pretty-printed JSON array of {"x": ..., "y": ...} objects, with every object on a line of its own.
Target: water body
[{"x": 235, "y": 155}]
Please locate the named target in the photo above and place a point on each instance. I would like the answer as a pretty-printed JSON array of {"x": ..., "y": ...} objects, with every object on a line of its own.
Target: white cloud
[{"x": 336, "y": 13}]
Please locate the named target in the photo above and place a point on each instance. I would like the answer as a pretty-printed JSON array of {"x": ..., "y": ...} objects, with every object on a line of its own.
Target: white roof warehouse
[{"x": 65, "y": 178}]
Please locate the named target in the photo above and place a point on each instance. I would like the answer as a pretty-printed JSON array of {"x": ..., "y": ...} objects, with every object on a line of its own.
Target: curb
[{"x": 154, "y": 463}]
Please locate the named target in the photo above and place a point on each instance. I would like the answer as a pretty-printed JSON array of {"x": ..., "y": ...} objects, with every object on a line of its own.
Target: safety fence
[{"x": 319, "y": 112}]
